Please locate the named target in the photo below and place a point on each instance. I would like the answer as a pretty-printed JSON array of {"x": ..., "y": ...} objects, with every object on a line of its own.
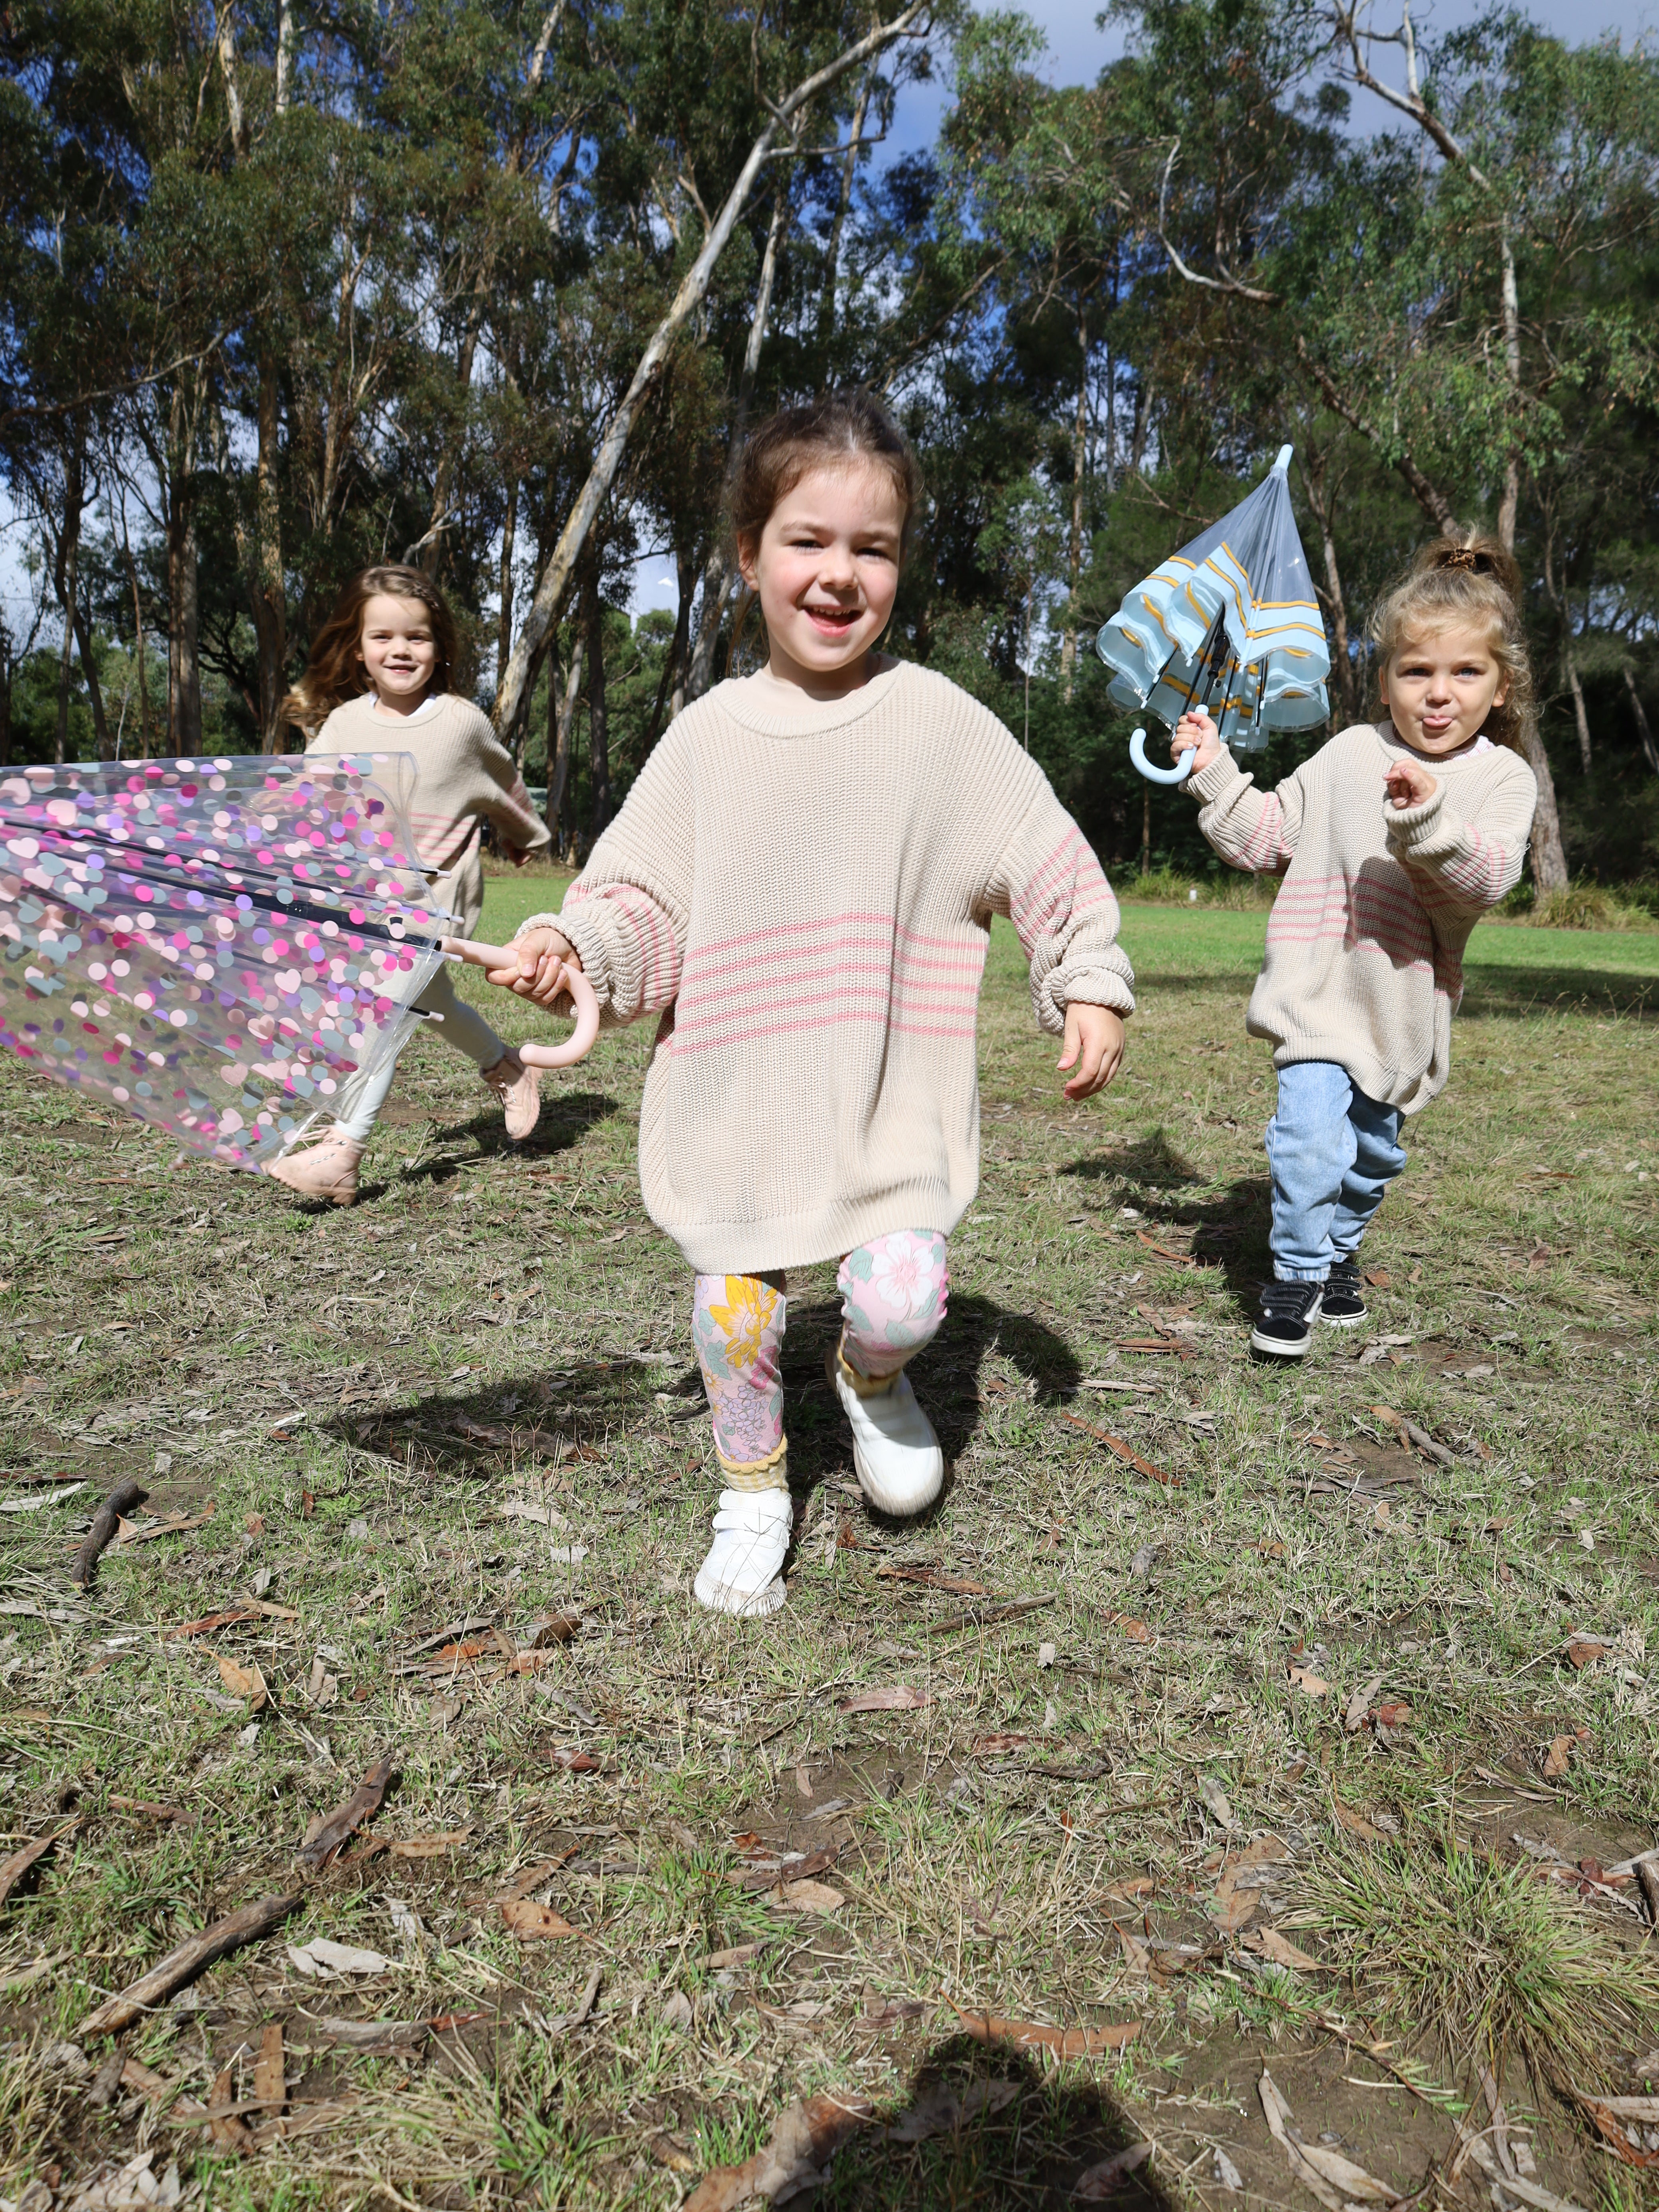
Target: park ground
[{"x": 1301, "y": 1727}]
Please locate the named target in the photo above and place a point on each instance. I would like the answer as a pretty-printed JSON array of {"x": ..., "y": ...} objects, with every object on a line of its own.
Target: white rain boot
[
  {"x": 900, "y": 1466},
  {"x": 751, "y": 1534}
]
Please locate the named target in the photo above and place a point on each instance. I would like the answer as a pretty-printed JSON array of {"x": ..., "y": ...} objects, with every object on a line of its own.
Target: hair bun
[{"x": 1464, "y": 558}]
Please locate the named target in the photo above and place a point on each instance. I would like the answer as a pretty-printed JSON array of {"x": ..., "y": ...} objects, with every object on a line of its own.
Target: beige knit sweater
[
  {"x": 464, "y": 776},
  {"x": 807, "y": 899},
  {"x": 1365, "y": 963}
]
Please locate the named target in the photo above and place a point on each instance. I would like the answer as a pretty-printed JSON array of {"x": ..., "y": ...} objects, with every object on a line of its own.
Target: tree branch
[{"x": 1226, "y": 281}]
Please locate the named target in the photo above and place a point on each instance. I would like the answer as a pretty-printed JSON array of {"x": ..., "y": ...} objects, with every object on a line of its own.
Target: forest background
[{"x": 293, "y": 285}]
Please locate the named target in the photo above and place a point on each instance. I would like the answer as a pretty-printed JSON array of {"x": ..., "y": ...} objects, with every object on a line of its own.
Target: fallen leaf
[
  {"x": 242, "y": 1681},
  {"x": 1180, "y": 1259},
  {"x": 532, "y": 1923},
  {"x": 1283, "y": 1953},
  {"x": 1585, "y": 1650},
  {"x": 259, "y": 1610},
  {"x": 1355, "y": 1823},
  {"x": 326, "y": 1962},
  {"x": 935, "y": 1578},
  {"x": 422, "y": 1847},
  {"x": 1215, "y": 1798},
  {"x": 804, "y": 2140},
  {"x": 738, "y": 1955},
  {"x": 522, "y": 1509},
  {"x": 997, "y": 1747},
  {"x": 1137, "y": 1957},
  {"x": 1393, "y": 1713},
  {"x": 325, "y": 1841},
  {"x": 1359, "y": 1704},
  {"x": 12, "y": 1870},
  {"x": 1557, "y": 1757},
  {"x": 1334, "y": 2181},
  {"x": 1608, "y": 2123},
  {"x": 1378, "y": 1277},
  {"x": 901, "y": 1698},
  {"x": 1236, "y": 1898},
  {"x": 1127, "y": 1453},
  {"x": 1303, "y": 1679},
  {"x": 1098, "y": 2182},
  {"x": 153, "y": 1811},
  {"x": 812, "y": 1897},
  {"x": 1034, "y": 2035},
  {"x": 573, "y": 1762},
  {"x": 938, "y": 2110}
]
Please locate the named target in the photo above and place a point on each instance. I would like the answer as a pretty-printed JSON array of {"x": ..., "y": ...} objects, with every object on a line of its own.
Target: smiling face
[
  {"x": 826, "y": 569},
  {"x": 1439, "y": 689},
  {"x": 398, "y": 650}
]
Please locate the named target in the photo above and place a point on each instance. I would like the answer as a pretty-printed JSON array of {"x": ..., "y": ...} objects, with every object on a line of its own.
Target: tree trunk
[
  {"x": 183, "y": 667},
  {"x": 139, "y": 647},
  {"x": 844, "y": 200},
  {"x": 1579, "y": 716},
  {"x": 269, "y": 584},
  {"x": 561, "y": 722},
  {"x": 598, "y": 736},
  {"x": 504, "y": 620},
  {"x": 1509, "y": 504},
  {"x": 83, "y": 644},
  {"x": 66, "y": 582},
  {"x": 1650, "y": 752},
  {"x": 686, "y": 575},
  {"x": 554, "y": 579},
  {"x": 1146, "y": 831},
  {"x": 1342, "y": 667},
  {"x": 1074, "y": 548}
]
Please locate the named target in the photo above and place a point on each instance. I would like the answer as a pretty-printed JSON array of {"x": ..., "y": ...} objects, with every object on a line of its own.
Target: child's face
[
  {"x": 398, "y": 649},
  {"x": 1439, "y": 689},
  {"x": 827, "y": 570}
]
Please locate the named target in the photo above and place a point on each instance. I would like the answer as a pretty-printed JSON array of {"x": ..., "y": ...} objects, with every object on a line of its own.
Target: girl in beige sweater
[
  {"x": 1393, "y": 840},
  {"x": 800, "y": 886},
  {"x": 378, "y": 680}
]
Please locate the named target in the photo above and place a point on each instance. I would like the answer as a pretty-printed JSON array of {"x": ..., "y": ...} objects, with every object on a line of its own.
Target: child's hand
[
  {"x": 1409, "y": 784},
  {"x": 1195, "y": 728},
  {"x": 538, "y": 970},
  {"x": 1093, "y": 1046}
]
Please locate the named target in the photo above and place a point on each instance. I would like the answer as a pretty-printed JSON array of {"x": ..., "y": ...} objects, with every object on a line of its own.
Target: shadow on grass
[
  {"x": 1226, "y": 1228},
  {"x": 1531, "y": 991},
  {"x": 996, "y": 2134},
  {"x": 487, "y": 1431}
]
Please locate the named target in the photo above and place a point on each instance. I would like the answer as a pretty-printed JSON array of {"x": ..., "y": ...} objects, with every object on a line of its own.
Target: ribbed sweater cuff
[
  {"x": 590, "y": 948},
  {"x": 1211, "y": 782},
  {"x": 1415, "y": 827}
]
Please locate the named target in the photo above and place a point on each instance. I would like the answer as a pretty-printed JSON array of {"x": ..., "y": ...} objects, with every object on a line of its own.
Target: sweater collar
[{"x": 816, "y": 717}]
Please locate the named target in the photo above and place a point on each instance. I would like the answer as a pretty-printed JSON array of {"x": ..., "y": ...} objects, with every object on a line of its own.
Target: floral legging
[{"x": 893, "y": 1296}]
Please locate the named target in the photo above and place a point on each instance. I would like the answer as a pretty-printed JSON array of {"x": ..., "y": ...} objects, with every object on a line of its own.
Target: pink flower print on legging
[
  {"x": 893, "y": 1296},
  {"x": 737, "y": 1327}
]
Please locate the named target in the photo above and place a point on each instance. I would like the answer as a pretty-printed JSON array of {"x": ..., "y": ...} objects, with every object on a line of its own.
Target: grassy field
[{"x": 1293, "y": 1730}]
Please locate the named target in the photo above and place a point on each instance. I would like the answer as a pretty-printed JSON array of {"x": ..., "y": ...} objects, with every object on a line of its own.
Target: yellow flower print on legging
[{"x": 893, "y": 1295}]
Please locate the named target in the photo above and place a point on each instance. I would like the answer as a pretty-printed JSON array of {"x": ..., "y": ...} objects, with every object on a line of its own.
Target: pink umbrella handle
[{"x": 575, "y": 1047}]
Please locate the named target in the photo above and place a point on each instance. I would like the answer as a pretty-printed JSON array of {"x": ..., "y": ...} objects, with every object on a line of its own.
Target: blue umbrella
[{"x": 1229, "y": 624}]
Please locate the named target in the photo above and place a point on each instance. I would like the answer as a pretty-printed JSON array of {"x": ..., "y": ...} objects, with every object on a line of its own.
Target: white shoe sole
[
  {"x": 899, "y": 1505},
  {"x": 746, "y": 1605},
  {"x": 1343, "y": 1320},
  {"x": 1278, "y": 1347}
]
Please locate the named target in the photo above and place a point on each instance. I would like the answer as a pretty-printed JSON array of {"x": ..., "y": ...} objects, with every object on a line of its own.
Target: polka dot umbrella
[{"x": 223, "y": 947}]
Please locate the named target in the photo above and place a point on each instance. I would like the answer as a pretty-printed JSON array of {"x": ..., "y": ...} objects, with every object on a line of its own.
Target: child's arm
[
  {"x": 624, "y": 919},
  {"x": 1255, "y": 831},
  {"x": 1051, "y": 887},
  {"x": 1461, "y": 870},
  {"x": 504, "y": 801}
]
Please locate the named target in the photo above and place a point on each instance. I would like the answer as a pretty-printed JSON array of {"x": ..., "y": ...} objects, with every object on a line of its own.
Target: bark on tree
[
  {"x": 598, "y": 734},
  {"x": 554, "y": 579},
  {"x": 66, "y": 584},
  {"x": 837, "y": 227},
  {"x": 1343, "y": 673},
  {"x": 509, "y": 530},
  {"x": 270, "y": 593},
  {"x": 1644, "y": 728},
  {"x": 139, "y": 645},
  {"x": 184, "y": 664},
  {"x": 83, "y": 646},
  {"x": 1074, "y": 547},
  {"x": 561, "y": 723}
]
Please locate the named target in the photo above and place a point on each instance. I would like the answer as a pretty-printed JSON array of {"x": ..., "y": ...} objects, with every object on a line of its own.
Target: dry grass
[{"x": 357, "y": 1395}]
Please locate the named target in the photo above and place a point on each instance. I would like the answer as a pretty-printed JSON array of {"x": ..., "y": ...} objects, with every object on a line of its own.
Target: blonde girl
[
  {"x": 378, "y": 680},
  {"x": 1393, "y": 840},
  {"x": 800, "y": 887}
]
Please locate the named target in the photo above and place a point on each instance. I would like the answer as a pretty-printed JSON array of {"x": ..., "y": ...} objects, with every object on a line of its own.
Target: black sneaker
[
  {"x": 1344, "y": 1303},
  {"x": 1288, "y": 1313}
]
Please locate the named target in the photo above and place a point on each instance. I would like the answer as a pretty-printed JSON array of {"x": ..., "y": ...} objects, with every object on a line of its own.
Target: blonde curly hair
[{"x": 1465, "y": 579}]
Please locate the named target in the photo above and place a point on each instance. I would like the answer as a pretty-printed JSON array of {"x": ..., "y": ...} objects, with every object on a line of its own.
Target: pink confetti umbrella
[{"x": 226, "y": 948}]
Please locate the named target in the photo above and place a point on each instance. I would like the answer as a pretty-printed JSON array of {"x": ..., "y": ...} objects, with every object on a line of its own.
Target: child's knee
[{"x": 894, "y": 1293}]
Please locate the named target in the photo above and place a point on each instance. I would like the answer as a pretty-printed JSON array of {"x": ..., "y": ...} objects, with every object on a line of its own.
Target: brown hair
[
  {"x": 1465, "y": 578},
  {"x": 335, "y": 673},
  {"x": 842, "y": 427}
]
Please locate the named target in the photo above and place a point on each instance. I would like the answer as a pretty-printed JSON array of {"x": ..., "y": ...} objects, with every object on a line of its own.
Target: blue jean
[{"x": 1332, "y": 1153}]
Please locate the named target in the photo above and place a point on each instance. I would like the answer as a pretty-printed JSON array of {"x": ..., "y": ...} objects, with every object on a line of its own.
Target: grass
[{"x": 355, "y": 1396}]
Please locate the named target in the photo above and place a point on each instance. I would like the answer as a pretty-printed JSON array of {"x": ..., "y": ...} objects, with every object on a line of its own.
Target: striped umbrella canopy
[
  {"x": 1229, "y": 624},
  {"x": 222, "y": 947}
]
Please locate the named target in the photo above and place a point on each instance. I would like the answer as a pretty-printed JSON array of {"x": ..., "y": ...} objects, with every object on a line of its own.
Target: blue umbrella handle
[{"x": 1178, "y": 773}]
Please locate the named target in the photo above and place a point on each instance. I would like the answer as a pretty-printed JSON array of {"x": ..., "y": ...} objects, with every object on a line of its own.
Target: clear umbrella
[
  {"x": 1229, "y": 624},
  {"x": 225, "y": 948}
]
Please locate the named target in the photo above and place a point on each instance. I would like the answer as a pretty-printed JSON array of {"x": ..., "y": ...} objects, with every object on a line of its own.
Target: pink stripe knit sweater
[
  {"x": 464, "y": 776},
  {"x": 1365, "y": 963},
  {"x": 806, "y": 900}
]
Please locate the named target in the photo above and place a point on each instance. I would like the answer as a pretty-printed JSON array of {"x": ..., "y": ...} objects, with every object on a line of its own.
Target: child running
[
  {"x": 1393, "y": 840},
  {"x": 378, "y": 680},
  {"x": 801, "y": 884}
]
